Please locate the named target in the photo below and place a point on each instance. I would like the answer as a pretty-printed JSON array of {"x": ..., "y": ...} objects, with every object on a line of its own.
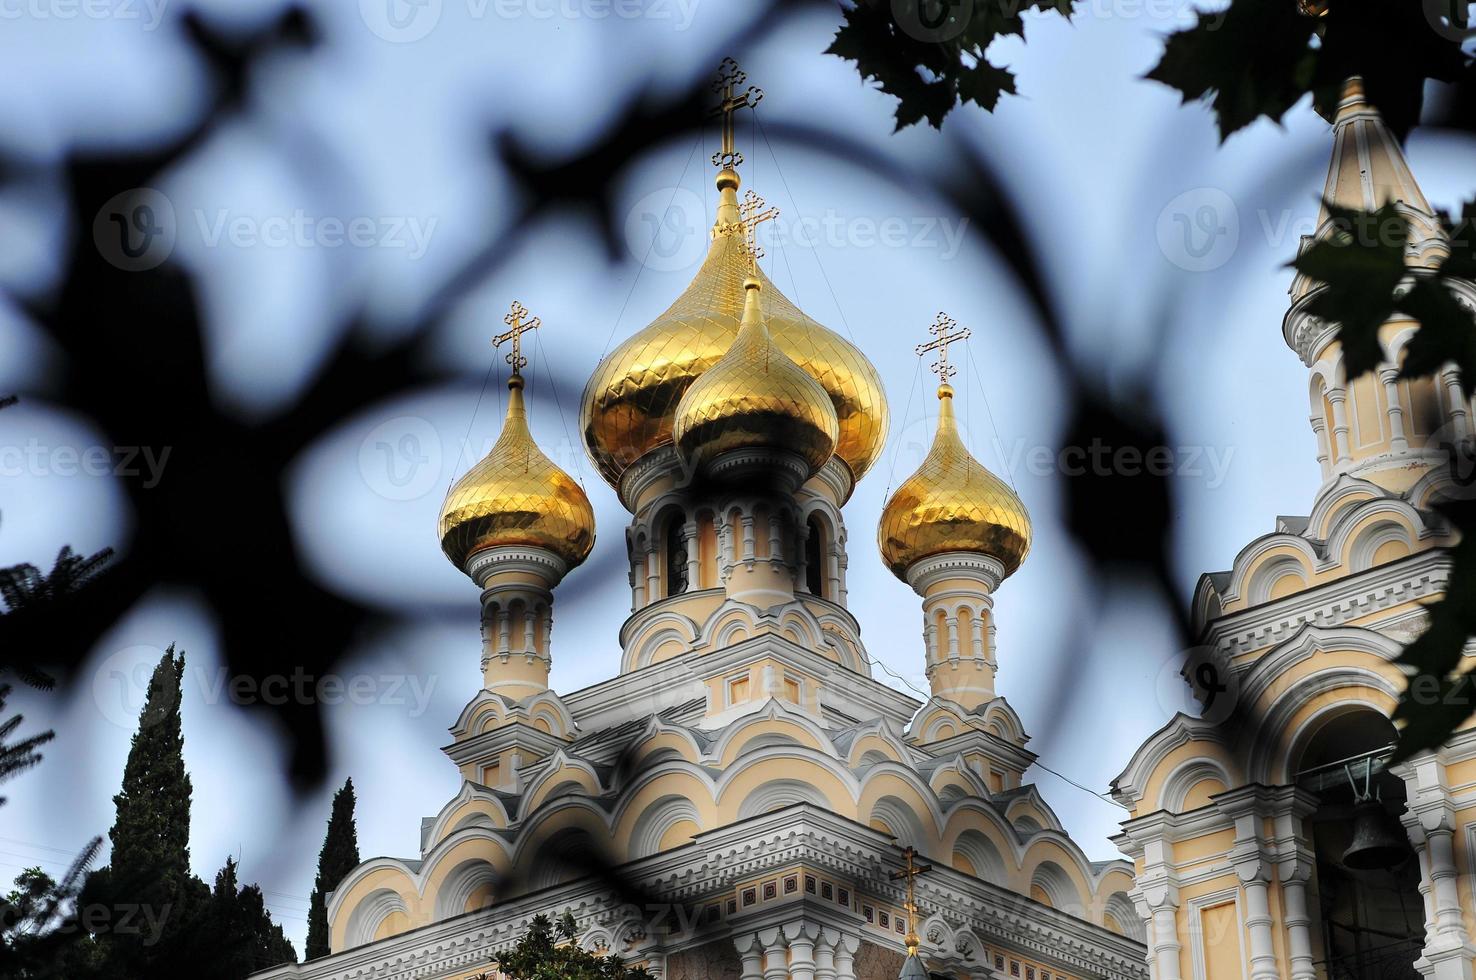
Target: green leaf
[
  {"x": 1447, "y": 331},
  {"x": 1360, "y": 264},
  {"x": 929, "y": 54}
]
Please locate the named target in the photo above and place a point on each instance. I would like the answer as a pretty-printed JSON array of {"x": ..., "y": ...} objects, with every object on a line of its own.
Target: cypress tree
[
  {"x": 339, "y": 856},
  {"x": 151, "y": 833},
  {"x": 241, "y": 936}
]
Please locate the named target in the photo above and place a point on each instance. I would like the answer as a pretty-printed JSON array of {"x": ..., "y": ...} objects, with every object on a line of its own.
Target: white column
[
  {"x": 1298, "y": 929},
  {"x": 751, "y": 954},
  {"x": 825, "y": 955},
  {"x": 1390, "y": 378},
  {"x": 930, "y": 638},
  {"x": 1460, "y": 420},
  {"x": 845, "y": 956},
  {"x": 748, "y": 549},
  {"x": 548, "y": 626},
  {"x": 530, "y": 621},
  {"x": 978, "y": 637},
  {"x": 694, "y": 555},
  {"x": 801, "y": 937},
  {"x": 1338, "y": 398},
  {"x": 637, "y": 580},
  {"x": 952, "y": 623},
  {"x": 504, "y": 627},
  {"x": 1258, "y": 924},
  {"x": 776, "y": 537},
  {"x": 1166, "y": 945},
  {"x": 1324, "y": 455},
  {"x": 653, "y": 575},
  {"x": 776, "y": 966}
]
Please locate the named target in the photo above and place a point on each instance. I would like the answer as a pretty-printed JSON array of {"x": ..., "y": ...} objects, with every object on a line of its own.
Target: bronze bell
[{"x": 1378, "y": 842}]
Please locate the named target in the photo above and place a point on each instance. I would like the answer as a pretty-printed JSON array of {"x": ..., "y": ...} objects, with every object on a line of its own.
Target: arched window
[
  {"x": 814, "y": 557},
  {"x": 676, "y": 556}
]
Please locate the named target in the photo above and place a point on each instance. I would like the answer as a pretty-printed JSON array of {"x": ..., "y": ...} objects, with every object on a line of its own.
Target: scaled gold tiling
[
  {"x": 755, "y": 396},
  {"x": 630, "y": 401},
  {"x": 516, "y": 496},
  {"x": 952, "y": 503}
]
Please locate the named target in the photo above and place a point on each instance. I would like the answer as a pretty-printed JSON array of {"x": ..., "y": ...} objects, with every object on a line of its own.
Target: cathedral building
[
  {"x": 1269, "y": 835},
  {"x": 743, "y": 799}
]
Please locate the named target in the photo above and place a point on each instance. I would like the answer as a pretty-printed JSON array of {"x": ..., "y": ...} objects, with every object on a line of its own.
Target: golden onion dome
[
  {"x": 952, "y": 503},
  {"x": 755, "y": 398},
  {"x": 516, "y": 496},
  {"x": 629, "y": 405}
]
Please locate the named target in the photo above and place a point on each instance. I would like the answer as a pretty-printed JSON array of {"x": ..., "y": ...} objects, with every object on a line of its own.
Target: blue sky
[{"x": 1112, "y": 172}]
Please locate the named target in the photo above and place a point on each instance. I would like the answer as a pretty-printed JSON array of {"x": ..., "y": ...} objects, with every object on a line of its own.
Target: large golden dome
[
  {"x": 755, "y": 397},
  {"x": 516, "y": 496},
  {"x": 630, "y": 402},
  {"x": 952, "y": 503}
]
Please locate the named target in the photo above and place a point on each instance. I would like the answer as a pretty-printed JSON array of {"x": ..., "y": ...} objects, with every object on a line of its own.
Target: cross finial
[
  {"x": 729, "y": 79},
  {"x": 940, "y": 330},
  {"x": 910, "y": 872},
  {"x": 517, "y": 327},
  {"x": 751, "y": 213}
]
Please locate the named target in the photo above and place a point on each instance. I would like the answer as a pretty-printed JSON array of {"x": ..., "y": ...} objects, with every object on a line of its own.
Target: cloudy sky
[{"x": 1127, "y": 194}]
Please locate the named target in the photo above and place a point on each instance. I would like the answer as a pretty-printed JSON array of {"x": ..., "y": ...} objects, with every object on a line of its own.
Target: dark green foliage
[
  {"x": 1260, "y": 57},
  {"x": 339, "y": 856},
  {"x": 242, "y": 937},
  {"x": 930, "y": 53},
  {"x": 547, "y": 952},
  {"x": 17, "y": 757},
  {"x": 151, "y": 834}
]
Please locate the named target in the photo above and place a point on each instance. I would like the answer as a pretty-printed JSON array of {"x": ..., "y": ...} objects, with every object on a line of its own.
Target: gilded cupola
[
  {"x": 630, "y": 403},
  {"x": 952, "y": 503},
  {"x": 757, "y": 403},
  {"x": 516, "y": 496}
]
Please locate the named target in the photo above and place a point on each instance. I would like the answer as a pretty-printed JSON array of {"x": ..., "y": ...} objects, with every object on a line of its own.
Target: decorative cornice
[
  {"x": 955, "y": 564},
  {"x": 524, "y": 558}
]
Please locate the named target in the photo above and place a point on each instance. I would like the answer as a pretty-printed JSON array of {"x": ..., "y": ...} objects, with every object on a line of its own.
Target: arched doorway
[{"x": 1372, "y": 921}]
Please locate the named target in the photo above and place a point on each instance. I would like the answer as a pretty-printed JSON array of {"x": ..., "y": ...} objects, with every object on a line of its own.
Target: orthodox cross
[
  {"x": 729, "y": 79},
  {"x": 910, "y": 873},
  {"x": 519, "y": 326},
  {"x": 940, "y": 329},
  {"x": 751, "y": 213}
]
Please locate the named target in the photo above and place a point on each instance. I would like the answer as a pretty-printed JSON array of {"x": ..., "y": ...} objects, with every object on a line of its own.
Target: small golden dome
[
  {"x": 630, "y": 402},
  {"x": 755, "y": 397},
  {"x": 952, "y": 503},
  {"x": 516, "y": 496}
]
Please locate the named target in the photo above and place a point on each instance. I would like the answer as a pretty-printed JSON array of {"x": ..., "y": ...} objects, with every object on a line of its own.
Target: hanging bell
[{"x": 1378, "y": 842}]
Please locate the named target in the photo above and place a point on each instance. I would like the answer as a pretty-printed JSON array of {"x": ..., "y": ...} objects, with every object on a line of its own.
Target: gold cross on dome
[
  {"x": 729, "y": 78},
  {"x": 519, "y": 326},
  {"x": 751, "y": 213},
  {"x": 940, "y": 329},
  {"x": 910, "y": 873}
]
